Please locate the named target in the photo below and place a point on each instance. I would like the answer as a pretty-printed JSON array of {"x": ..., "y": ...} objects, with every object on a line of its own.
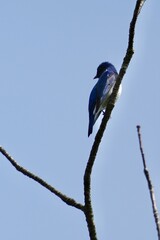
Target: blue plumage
[{"x": 106, "y": 74}]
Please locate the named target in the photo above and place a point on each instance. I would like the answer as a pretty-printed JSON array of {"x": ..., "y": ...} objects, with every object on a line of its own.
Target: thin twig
[
  {"x": 64, "y": 198},
  {"x": 98, "y": 138},
  {"x": 150, "y": 186}
]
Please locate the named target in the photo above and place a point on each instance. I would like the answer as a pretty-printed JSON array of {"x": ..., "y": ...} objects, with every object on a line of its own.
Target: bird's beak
[{"x": 95, "y": 77}]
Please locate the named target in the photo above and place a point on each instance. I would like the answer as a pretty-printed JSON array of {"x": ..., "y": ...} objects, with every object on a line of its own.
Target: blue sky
[{"x": 49, "y": 52}]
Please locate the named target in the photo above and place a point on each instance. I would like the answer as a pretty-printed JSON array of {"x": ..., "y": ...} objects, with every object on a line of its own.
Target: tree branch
[
  {"x": 150, "y": 186},
  {"x": 98, "y": 137},
  {"x": 64, "y": 198}
]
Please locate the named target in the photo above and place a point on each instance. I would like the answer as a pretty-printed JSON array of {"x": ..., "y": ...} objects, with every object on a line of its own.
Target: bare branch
[
  {"x": 150, "y": 186},
  {"x": 64, "y": 198},
  {"x": 110, "y": 106}
]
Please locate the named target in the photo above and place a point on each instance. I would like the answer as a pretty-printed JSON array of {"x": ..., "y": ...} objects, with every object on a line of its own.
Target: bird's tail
[
  {"x": 90, "y": 129},
  {"x": 90, "y": 126},
  {"x": 92, "y": 120}
]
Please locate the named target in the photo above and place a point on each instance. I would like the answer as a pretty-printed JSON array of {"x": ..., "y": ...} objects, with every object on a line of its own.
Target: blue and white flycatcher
[{"x": 98, "y": 100}]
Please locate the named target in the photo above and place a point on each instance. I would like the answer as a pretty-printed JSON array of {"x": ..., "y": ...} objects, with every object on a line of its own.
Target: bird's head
[{"x": 103, "y": 67}]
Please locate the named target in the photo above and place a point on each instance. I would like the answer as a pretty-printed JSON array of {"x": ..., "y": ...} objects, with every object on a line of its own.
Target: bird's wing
[
  {"x": 94, "y": 100},
  {"x": 92, "y": 107},
  {"x": 110, "y": 79}
]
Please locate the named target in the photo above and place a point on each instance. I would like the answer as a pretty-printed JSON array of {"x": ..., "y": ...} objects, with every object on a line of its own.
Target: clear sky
[{"x": 49, "y": 52}]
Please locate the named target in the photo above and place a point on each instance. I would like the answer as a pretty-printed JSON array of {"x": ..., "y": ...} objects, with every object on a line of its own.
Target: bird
[{"x": 99, "y": 96}]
